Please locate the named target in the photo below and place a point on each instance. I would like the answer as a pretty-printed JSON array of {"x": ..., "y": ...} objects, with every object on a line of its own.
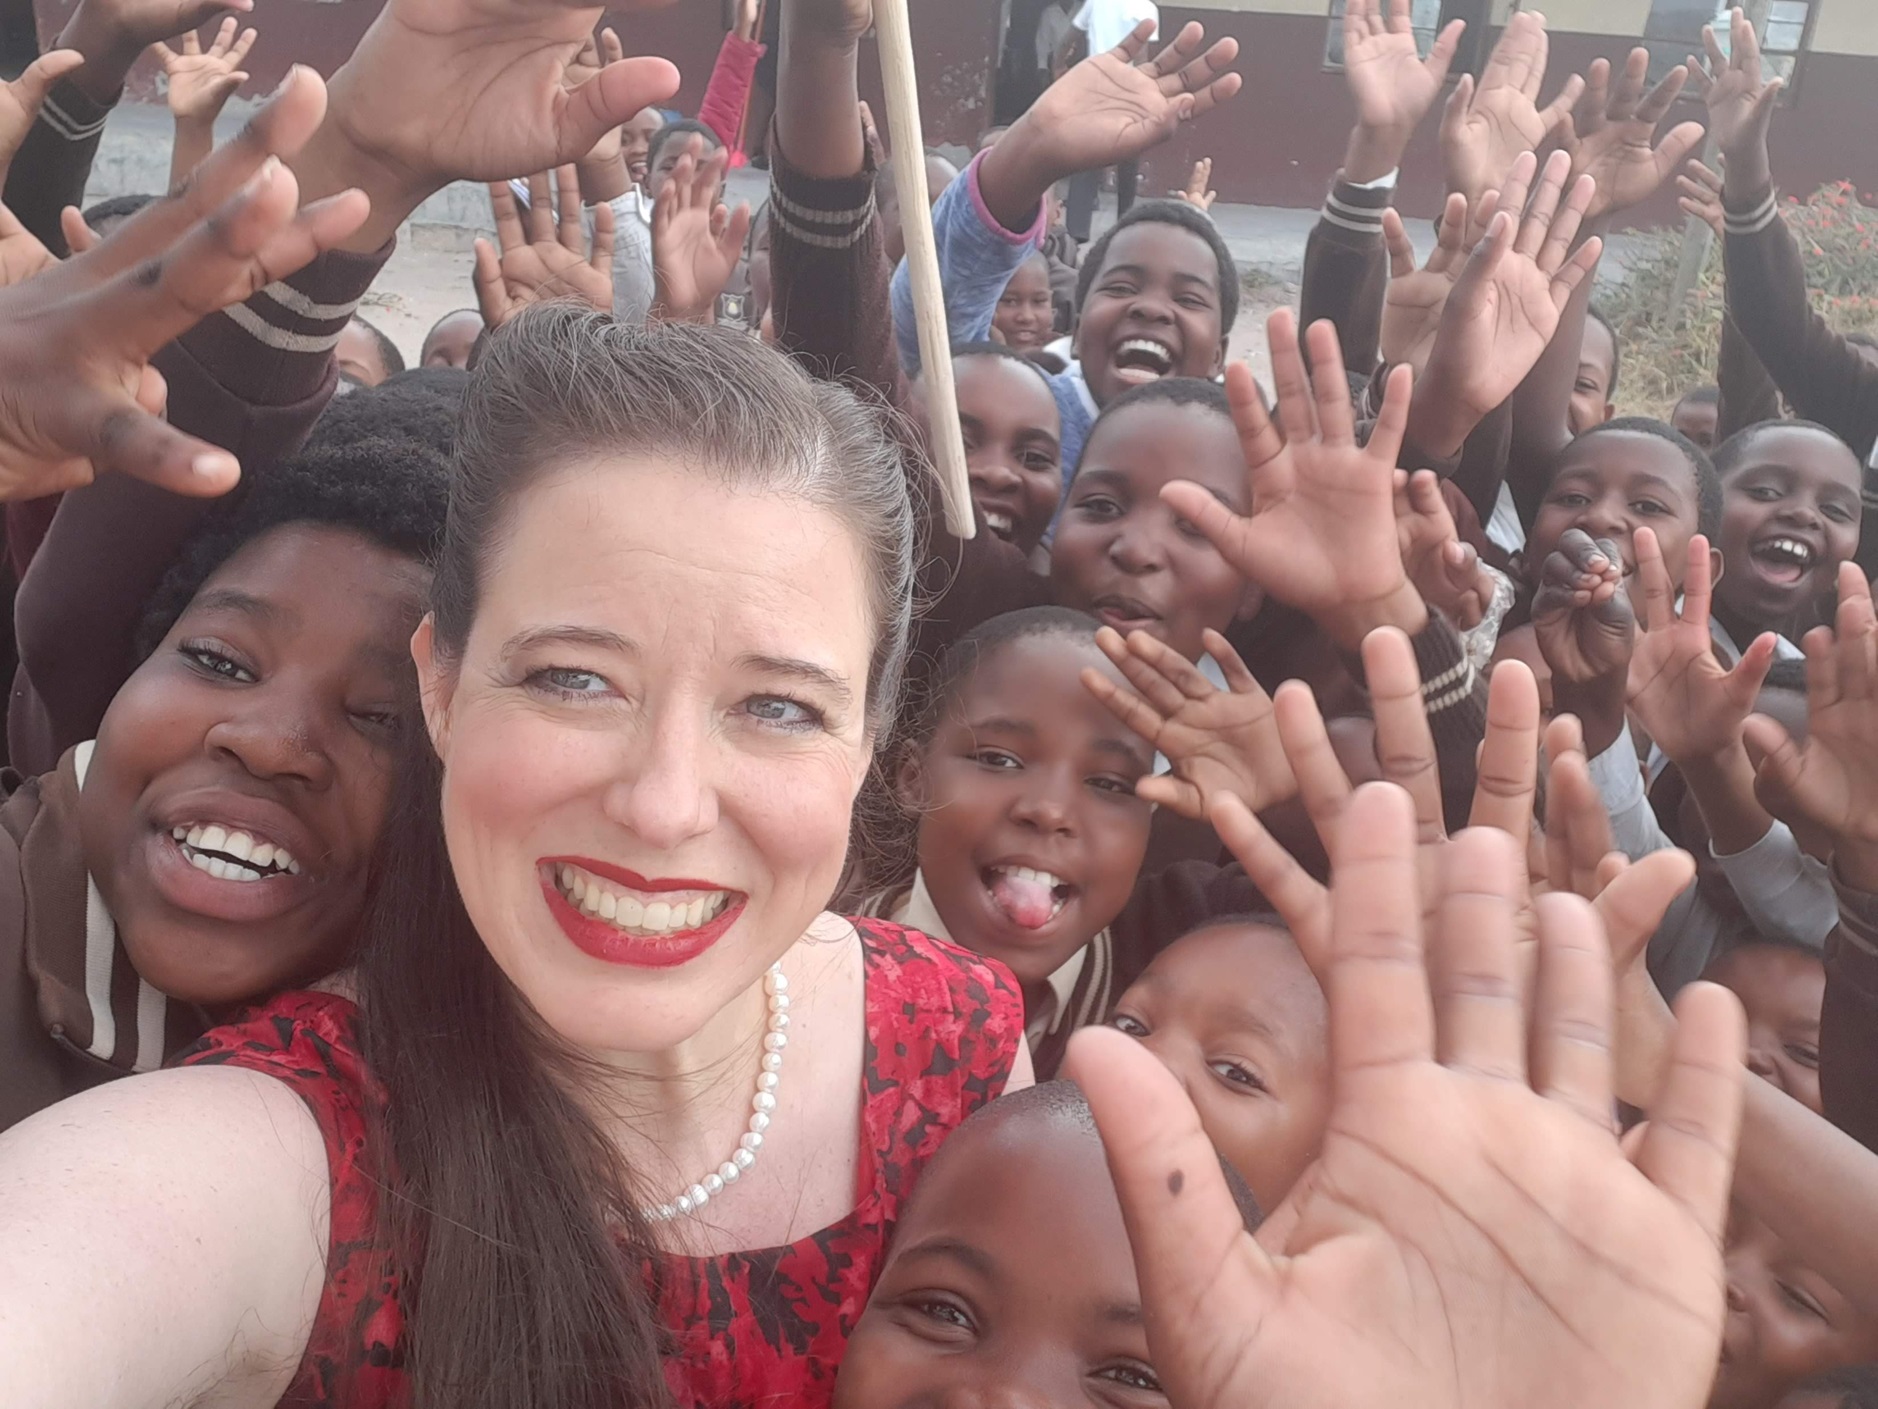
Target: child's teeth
[{"x": 240, "y": 855}]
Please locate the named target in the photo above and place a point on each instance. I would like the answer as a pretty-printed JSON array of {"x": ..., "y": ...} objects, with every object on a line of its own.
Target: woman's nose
[{"x": 666, "y": 797}]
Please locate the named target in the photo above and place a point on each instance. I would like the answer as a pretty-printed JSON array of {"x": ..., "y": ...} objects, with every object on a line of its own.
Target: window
[
  {"x": 1429, "y": 18},
  {"x": 1674, "y": 31}
]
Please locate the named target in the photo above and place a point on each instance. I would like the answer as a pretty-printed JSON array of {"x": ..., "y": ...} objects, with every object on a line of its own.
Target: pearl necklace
[{"x": 762, "y": 1106}]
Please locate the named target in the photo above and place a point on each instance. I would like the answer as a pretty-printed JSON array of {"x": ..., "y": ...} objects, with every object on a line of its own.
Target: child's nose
[{"x": 1135, "y": 550}]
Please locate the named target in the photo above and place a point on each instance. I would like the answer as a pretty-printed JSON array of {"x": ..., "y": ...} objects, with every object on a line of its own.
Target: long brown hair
[{"x": 518, "y": 1242}]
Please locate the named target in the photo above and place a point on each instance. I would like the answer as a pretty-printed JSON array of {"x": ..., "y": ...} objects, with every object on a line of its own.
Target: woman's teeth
[
  {"x": 627, "y": 911},
  {"x": 230, "y": 854}
]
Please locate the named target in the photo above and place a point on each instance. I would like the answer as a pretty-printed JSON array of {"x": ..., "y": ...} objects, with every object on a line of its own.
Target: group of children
[{"x": 212, "y": 688}]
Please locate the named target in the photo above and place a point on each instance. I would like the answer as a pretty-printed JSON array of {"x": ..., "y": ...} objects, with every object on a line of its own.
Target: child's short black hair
[
  {"x": 1174, "y": 391},
  {"x": 964, "y": 655},
  {"x": 1856, "y": 1386},
  {"x": 1732, "y": 452},
  {"x": 377, "y": 463},
  {"x": 387, "y": 349},
  {"x": 1700, "y": 396},
  {"x": 1708, "y": 491},
  {"x": 1187, "y": 218},
  {"x": 1617, "y": 350},
  {"x": 683, "y": 127},
  {"x": 988, "y": 348}
]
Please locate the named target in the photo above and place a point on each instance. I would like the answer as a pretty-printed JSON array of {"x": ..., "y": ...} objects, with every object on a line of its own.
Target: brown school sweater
[
  {"x": 1823, "y": 377},
  {"x": 54, "y": 162},
  {"x": 251, "y": 379},
  {"x": 1848, "y": 1022},
  {"x": 73, "y": 1012}
]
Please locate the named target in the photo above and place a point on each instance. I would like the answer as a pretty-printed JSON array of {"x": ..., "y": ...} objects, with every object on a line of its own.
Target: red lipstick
[{"x": 612, "y": 945}]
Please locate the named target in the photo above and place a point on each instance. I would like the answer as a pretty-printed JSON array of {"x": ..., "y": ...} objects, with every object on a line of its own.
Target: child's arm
[
  {"x": 200, "y": 82},
  {"x": 1748, "y": 394},
  {"x": 1822, "y": 376},
  {"x": 1103, "y": 112},
  {"x": 1393, "y": 87},
  {"x": 727, "y": 95}
]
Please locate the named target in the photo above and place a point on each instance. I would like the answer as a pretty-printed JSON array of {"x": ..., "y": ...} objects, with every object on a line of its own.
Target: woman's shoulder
[{"x": 938, "y": 1014}]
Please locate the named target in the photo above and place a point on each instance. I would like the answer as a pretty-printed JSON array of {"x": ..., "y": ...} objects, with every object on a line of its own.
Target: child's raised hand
[
  {"x": 201, "y": 81},
  {"x": 1611, "y": 134},
  {"x": 1692, "y": 705},
  {"x": 1447, "y": 572},
  {"x": 21, "y": 100},
  {"x": 1699, "y": 193},
  {"x": 1485, "y": 128},
  {"x": 1507, "y": 302},
  {"x": 1393, "y": 85},
  {"x": 1196, "y": 192},
  {"x": 696, "y": 241},
  {"x": 1472, "y": 1232},
  {"x": 1218, "y": 741},
  {"x": 1740, "y": 97},
  {"x": 1413, "y": 304},
  {"x": 1506, "y": 780},
  {"x": 1831, "y": 781},
  {"x": 595, "y": 55},
  {"x": 1321, "y": 536},
  {"x": 1581, "y": 615},
  {"x": 78, "y": 397},
  {"x": 1108, "y": 109},
  {"x": 22, "y": 255},
  {"x": 543, "y": 258}
]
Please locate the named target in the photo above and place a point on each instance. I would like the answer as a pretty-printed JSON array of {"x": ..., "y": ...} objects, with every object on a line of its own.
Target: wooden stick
[{"x": 908, "y": 144}]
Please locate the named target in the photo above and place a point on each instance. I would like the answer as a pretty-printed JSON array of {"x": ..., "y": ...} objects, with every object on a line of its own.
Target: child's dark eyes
[
  {"x": 1199, "y": 303},
  {"x": 1838, "y": 513},
  {"x": 1115, "y": 289},
  {"x": 1649, "y": 508},
  {"x": 1099, "y": 506},
  {"x": 1801, "y": 1302},
  {"x": 1570, "y": 499},
  {"x": 1133, "y": 1374},
  {"x": 1763, "y": 493},
  {"x": 212, "y": 660},
  {"x": 1236, "y": 1075},
  {"x": 1120, "y": 787},
  {"x": 1041, "y": 461},
  {"x": 998, "y": 759},
  {"x": 941, "y": 1312},
  {"x": 1806, "y": 1056},
  {"x": 1186, "y": 528},
  {"x": 378, "y": 720},
  {"x": 1587, "y": 388},
  {"x": 1129, "y": 1024}
]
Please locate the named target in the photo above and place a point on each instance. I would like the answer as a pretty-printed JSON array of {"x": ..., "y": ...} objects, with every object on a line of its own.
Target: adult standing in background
[{"x": 1106, "y": 23}]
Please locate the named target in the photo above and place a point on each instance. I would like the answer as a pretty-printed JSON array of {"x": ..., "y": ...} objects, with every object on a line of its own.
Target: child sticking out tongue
[{"x": 1026, "y": 897}]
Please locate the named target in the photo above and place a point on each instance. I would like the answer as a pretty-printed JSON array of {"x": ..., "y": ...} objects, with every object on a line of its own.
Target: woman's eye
[
  {"x": 781, "y": 712},
  {"x": 1133, "y": 1375},
  {"x": 1233, "y": 1074},
  {"x": 1126, "y": 1022},
  {"x": 218, "y": 664},
  {"x": 569, "y": 683}
]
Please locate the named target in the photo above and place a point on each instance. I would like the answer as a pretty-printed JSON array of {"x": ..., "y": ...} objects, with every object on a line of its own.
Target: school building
[{"x": 1279, "y": 141}]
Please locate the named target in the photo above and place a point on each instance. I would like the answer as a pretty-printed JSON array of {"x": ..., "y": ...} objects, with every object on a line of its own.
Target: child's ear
[
  {"x": 1610, "y": 411},
  {"x": 1715, "y": 567},
  {"x": 1221, "y": 357}
]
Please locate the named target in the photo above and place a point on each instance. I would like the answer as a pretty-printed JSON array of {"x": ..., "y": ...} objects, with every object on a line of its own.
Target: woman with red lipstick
[{"x": 614, "y": 1112}]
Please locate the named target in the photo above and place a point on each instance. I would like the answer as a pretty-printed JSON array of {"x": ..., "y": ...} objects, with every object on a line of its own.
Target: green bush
[{"x": 1665, "y": 355}]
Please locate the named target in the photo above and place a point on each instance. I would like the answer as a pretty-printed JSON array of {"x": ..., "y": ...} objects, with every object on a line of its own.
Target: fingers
[
  {"x": 1750, "y": 672},
  {"x": 1165, "y": 677},
  {"x": 38, "y": 78},
  {"x": 1450, "y": 234},
  {"x": 1632, "y": 903},
  {"x": 1697, "y": 582},
  {"x": 604, "y": 102},
  {"x": 567, "y": 194},
  {"x": 1454, "y": 112},
  {"x": 603, "y": 236},
  {"x": 1781, "y": 762},
  {"x": 1238, "y": 679},
  {"x": 1330, "y": 386},
  {"x": 1322, "y": 784},
  {"x": 508, "y": 217},
  {"x": 1405, "y": 748},
  {"x": 1570, "y": 1043},
  {"x": 1515, "y": 189},
  {"x": 238, "y": 53},
  {"x": 736, "y": 230},
  {"x": 1380, "y": 1013},
  {"x": 1507, "y": 779},
  {"x": 1856, "y": 636},
  {"x": 1174, "y": 1199},
  {"x": 1689, "y": 1147},
  {"x": 1659, "y": 594},
  {"x": 80, "y": 238},
  {"x": 1473, "y": 969},
  {"x": 1291, "y": 388},
  {"x": 1441, "y": 53},
  {"x": 538, "y": 219},
  {"x": 492, "y": 294},
  {"x": 1545, "y": 203},
  {"x": 1391, "y": 425},
  {"x": 1293, "y": 892},
  {"x": 116, "y": 433},
  {"x": 1560, "y": 108},
  {"x": 611, "y": 50}
]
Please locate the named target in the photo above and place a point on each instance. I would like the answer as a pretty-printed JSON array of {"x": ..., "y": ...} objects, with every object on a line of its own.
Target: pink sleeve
[{"x": 728, "y": 93}]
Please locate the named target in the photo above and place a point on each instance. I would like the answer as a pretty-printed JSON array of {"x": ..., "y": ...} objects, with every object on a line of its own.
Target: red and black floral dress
[{"x": 748, "y": 1328}]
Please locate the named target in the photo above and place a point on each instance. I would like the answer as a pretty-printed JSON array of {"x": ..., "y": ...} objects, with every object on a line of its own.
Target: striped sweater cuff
[
  {"x": 1754, "y": 220},
  {"x": 70, "y": 116},
  {"x": 276, "y": 349},
  {"x": 1357, "y": 209},
  {"x": 828, "y": 213}
]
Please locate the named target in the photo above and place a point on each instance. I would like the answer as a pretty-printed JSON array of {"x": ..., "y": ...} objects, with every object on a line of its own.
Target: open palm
[
  {"x": 1217, "y": 742},
  {"x": 1472, "y": 1233},
  {"x": 21, "y": 99},
  {"x": 1739, "y": 95},
  {"x": 472, "y": 89},
  {"x": 1110, "y": 108},
  {"x": 1486, "y": 127},
  {"x": 543, "y": 258},
  {"x": 1691, "y": 704},
  {"x": 696, "y": 241},
  {"x": 1393, "y": 85},
  {"x": 1612, "y": 135}
]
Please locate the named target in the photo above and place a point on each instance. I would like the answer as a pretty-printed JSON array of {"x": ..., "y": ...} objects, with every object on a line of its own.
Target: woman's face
[
  {"x": 261, "y": 730},
  {"x": 652, "y": 743}
]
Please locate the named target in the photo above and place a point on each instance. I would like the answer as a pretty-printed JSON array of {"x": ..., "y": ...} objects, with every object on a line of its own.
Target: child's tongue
[{"x": 1027, "y": 903}]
